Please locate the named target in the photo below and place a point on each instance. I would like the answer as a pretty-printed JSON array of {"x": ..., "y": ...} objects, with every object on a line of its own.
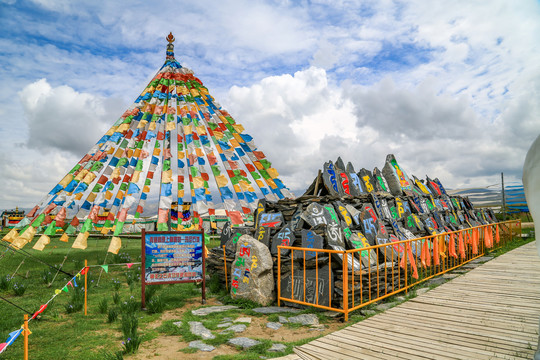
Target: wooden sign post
[{"x": 172, "y": 257}]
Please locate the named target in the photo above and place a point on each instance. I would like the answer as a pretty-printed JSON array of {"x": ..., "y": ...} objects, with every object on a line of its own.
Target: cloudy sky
[{"x": 452, "y": 88}]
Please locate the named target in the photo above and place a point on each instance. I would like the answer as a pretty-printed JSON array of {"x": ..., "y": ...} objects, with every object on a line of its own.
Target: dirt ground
[{"x": 166, "y": 347}]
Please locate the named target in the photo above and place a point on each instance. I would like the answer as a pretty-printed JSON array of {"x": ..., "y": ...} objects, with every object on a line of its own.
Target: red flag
[
  {"x": 423, "y": 253},
  {"x": 411, "y": 260},
  {"x": 41, "y": 309},
  {"x": 75, "y": 222},
  {"x": 497, "y": 237},
  {"x": 475, "y": 241}
]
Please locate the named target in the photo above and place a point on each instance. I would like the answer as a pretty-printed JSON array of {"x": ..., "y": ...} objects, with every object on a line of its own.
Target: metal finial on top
[{"x": 170, "y": 38}]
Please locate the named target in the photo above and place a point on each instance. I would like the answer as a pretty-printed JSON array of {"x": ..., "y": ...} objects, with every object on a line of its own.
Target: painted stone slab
[
  {"x": 296, "y": 221},
  {"x": 396, "y": 177},
  {"x": 355, "y": 184},
  {"x": 271, "y": 220},
  {"x": 366, "y": 179},
  {"x": 369, "y": 222},
  {"x": 261, "y": 208},
  {"x": 380, "y": 182},
  {"x": 343, "y": 213},
  {"x": 354, "y": 212},
  {"x": 334, "y": 235},
  {"x": 315, "y": 215},
  {"x": 357, "y": 240},
  {"x": 252, "y": 272},
  {"x": 330, "y": 179},
  {"x": 263, "y": 235},
  {"x": 309, "y": 240},
  {"x": 226, "y": 233},
  {"x": 284, "y": 237},
  {"x": 352, "y": 262},
  {"x": 319, "y": 284}
]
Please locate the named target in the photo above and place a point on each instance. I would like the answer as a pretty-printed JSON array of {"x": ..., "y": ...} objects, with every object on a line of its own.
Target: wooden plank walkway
[{"x": 491, "y": 312}]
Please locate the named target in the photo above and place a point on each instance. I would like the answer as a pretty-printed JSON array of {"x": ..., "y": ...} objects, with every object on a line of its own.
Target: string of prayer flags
[
  {"x": 11, "y": 338},
  {"x": 115, "y": 245},
  {"x": 174, "y": 126}
]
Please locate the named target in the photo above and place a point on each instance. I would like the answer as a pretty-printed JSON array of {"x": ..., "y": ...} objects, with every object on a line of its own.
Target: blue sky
[{"x": 450, "y": 87}]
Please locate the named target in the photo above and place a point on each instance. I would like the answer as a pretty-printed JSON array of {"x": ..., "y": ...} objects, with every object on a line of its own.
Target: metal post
[
  {"x": 503, "y": 197},
  {"x": 25, "y": 330},
  {"x": 85, "y": 287}
]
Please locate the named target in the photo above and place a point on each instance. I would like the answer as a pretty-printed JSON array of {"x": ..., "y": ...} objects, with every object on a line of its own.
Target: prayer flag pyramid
[{"x": 174, "y": 134}]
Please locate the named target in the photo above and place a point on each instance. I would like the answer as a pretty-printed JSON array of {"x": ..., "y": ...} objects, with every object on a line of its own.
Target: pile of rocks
[{"x": 360, "y": 210}]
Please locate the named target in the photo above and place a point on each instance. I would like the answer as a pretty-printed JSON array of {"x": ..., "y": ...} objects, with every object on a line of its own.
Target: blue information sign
[{"x": 172, "y": 257}]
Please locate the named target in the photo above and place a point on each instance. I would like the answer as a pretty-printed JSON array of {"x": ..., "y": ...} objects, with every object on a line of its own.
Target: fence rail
[{"x": 344, "y": 281}]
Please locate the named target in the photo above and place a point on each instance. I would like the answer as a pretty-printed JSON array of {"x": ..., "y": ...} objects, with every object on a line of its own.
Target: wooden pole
[
  {"x": 25, "y": 330},
  {"x": 85, "y": 287},
  {"x": 317, "y": 182}
]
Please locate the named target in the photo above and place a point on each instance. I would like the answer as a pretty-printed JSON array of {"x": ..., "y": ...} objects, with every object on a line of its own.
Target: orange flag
[
  {"x": 410, "y": 259},
  {"x": 497, "y": 237},
  {"x": 436, "y": 260},
  {"x": 423, "y": 254},
  {"x": 461, "y": 245},
  {"x": 475, "y": 241},
  {"x": 452, "y": 246}
]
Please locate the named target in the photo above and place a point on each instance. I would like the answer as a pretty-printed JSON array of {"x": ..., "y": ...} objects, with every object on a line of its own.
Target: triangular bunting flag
[
  {"x": 129, "y": 265},
  {"x": 105, "y": 267}
]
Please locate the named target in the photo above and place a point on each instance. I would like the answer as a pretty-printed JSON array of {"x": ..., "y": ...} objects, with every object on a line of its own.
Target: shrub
[
  {"x": 116, "y": 298},
  {"x": 129, "y": 325},
  {"x": 156, "y": 305},
  {"x": 19, "y": 289},
  {"x": 73, "y": 307},
  {"x": 103, "y": 306},
  {"x": 5, "y": 282},
  {"x": 130, "y": 306},
  {"x": 47, "y": 276},
  {"x": 149, "y": 292},
  {"x": 116, "y": 285},
  {"x": 131, "y": 345},
  {"x": 113, "y": 356},
  {"x": 112, "y": 315}
]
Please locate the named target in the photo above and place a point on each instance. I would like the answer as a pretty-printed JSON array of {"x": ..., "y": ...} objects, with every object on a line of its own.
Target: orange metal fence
[{"x": 347, "y": 280}]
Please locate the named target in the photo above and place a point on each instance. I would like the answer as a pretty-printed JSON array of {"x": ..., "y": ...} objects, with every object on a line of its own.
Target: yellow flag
[
  {"x": 24, "y": 238},
  {"x": 171, "y": 125},
  {"x": 166, "y": 176},
  {"x": 135, "y": 177},
  {"x": 12, "y": 234},
  {"x": 221, "y": 180},
  {"x": 272, "y": 172},
  {"x": 115, "y": 245},
  {"x": 64, "y": 237},
  {"x": 42, "y": 242},
  {"x": 81, "y": 241},
  {"x": 66, "y": 180}
]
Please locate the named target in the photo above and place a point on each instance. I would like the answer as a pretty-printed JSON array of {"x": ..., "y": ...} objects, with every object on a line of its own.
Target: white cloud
[{"x": 63, "y": 119}]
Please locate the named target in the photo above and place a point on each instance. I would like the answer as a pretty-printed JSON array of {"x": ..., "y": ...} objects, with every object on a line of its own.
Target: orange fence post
[
  {"x": 279, "y": 275},
  {"x": 85, "y": 287},
  {"x": 346, "y": 285},
  {"x": 25, "y": 330},
  {"x": 225, "y": 267}
]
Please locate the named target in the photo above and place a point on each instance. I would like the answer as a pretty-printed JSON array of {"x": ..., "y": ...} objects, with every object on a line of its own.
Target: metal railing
[{"x": 344, "y": 281}]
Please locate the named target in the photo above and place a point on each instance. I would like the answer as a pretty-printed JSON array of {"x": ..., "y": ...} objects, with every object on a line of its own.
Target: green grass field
[{"x": 73, "y": 333}]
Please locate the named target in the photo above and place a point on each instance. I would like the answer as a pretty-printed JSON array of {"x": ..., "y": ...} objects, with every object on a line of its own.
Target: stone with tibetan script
[
  {"x": 357, "y": 240},
  {"x": 420, "y": 186},
  {"x": 226, "y": 233},
  {"x": 354, "y": 212},
  {"x": 296, "y": 221},
  {"x": 366, "y": 180},
  {"x": 310, "y": 240},
  {"x": 380, "y": 184},
  {"x": 393, "y": 251},
  {"x": 315, "y": 214},
  {"x": 369, "y": 222},
  {"x": 313, "y": 286},
  {"x": 433, "y": 187},
  {"x": 331, "y": 214},
  {"x": 252, "y": 275},
  {"x": 342, "y": 177},
  {"x": 271, "y": 220},
  {"x": 403, "y": 209},
  {"x": 339, "y": 164},
  {"x": 343, "y": 213},
  {"x": 261, "y": 208},
  {"x": 386, "y": 209},
  {"x": 414, "y": 224},
  {"x": 334, "y": 235},
  {"x": 235, "y": 234},
  {"x": 284, "y": 237},
  {"x": 395, "y": 176},
  {"x": 263, "y": 235},
  {"x": 414, "y": 204},
  {"x": 430, "y": 224},
  {"x": 441, "y": 187},
  {"x": 355, "y": 184},
  {"x": 330, "y": 179}
]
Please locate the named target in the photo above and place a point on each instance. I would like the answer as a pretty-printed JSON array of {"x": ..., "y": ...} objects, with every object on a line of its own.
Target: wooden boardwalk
[{"x": 491, "y": 312}]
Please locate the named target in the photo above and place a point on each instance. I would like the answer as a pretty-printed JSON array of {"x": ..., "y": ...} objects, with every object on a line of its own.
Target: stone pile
[{"x": 344, "y": 210}]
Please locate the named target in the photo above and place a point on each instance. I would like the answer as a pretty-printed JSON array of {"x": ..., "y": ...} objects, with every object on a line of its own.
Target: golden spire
[{"x": 170, "y": 38}]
